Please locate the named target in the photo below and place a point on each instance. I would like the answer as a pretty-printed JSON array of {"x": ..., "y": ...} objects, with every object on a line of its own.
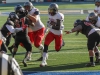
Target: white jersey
[
  {"x": 38, "y": 24},
  {"x": 97, "y": 9},
  {"x": 54, "y": 18},
  {"x": 98, "y": 22}
]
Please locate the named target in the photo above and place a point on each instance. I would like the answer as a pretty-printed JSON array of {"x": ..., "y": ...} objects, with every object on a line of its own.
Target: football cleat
[
  {"x": 43, "y": 64},
  {"x": 24, "y": 63},
  {"x": 90, "y": 64}
]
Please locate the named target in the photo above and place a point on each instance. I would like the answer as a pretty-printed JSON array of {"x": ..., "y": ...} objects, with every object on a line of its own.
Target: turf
[{"x": 72, "y": 57}]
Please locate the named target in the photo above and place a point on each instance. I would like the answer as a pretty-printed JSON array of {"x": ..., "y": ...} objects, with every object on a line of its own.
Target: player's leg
[
  {"x": 48, "y": 39},
  {"x": 27, "y": 45},
  {"x": 8, "y": 39},
  {"x": 97, "y": 54},
  {"x": 91, "y": 44},
  {"x": 10, "y": 48},
  {"x": 38, "y": 37},
  {"x": 58, "y": 42},
  {"x": 16, "y": 44},
  {"x": 30, "y": 34}
]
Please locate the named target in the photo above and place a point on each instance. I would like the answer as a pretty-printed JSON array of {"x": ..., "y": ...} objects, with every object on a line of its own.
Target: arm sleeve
[
  {"x": 79, "y": 27},
  {"x": 15, "y": 67},
  {"x": 12, "y": 29}
]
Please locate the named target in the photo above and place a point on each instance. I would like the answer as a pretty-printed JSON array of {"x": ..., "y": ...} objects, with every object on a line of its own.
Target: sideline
[{"x": 63, "y": 73}]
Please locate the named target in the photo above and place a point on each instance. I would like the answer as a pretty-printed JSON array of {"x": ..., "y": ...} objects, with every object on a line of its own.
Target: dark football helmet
[
  {"x": 77, "y": 22},
  {"x": 28, "y": 6},
  {"x": 19, "y": 9},
  {"x": 93, "y": 18},
  {"x": 12, "y": 16},
  {"x": 53, "y": 9},
  {"x": 92, "y": 14}
]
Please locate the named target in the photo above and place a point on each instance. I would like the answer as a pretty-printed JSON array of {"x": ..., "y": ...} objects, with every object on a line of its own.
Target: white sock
[{"x": 44, "y": 56}]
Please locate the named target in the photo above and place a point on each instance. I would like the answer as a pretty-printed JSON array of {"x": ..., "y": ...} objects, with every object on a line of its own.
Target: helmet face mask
[
  {"x": 53, "y": 9},
  {"x": 93, "y": 18},
  {"x": 51, "y": 12}
]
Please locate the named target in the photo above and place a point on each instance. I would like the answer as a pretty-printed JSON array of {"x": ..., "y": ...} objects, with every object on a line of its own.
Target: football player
[
  {"x": 90, "y": 17},
  {"x": 8, "y": 28},
  {"x": 22, "y": 36},
  {"x": 90, "y": 31},
  {"x": 55, "y": 25},
  {"x": 97, "y": 8},
  {"x": 36, "y": 32},
  {"x": 8, "y": 65}
]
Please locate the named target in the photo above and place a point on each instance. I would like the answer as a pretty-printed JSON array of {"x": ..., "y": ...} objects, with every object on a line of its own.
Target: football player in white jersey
[
  {"x": 56, "y": 27},
  {"x": 97, "y": 8},
  {"x": 92, "y": 14},
  {"x": 36, "y": 32}
]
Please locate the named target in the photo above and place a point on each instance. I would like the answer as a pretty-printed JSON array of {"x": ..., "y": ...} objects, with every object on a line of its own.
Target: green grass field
[{"x": 72, "y": 57}]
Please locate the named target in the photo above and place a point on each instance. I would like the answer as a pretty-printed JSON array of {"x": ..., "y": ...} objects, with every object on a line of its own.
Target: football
[
  {"x": 53, "y": 23},
  {"x": 30, "y": 22}
]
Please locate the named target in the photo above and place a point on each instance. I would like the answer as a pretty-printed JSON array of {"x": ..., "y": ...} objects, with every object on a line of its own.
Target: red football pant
[
  {"x": 30, "y": 34},
  {"x": 58, "y": 40},
  {"x": 38, "y": 37}
]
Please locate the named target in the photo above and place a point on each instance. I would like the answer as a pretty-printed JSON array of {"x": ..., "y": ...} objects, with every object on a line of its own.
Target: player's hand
[
  {"x": 67, "y": 32},
  {"x": 53, "y": 23}
]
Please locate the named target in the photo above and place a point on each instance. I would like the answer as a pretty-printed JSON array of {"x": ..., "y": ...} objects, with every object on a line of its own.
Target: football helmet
[
  {"x": 92, "y": 14},
  {"x": 97, "y": 3},
  {"x": 93, "y": 18},
  {"x": 19, "y": 9},
  {"x": 13, "y": 16},
  {"x": 77, "y": 22},
  {"x": 28, "y": 6},
  {"x": 53, "y": 9}
]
